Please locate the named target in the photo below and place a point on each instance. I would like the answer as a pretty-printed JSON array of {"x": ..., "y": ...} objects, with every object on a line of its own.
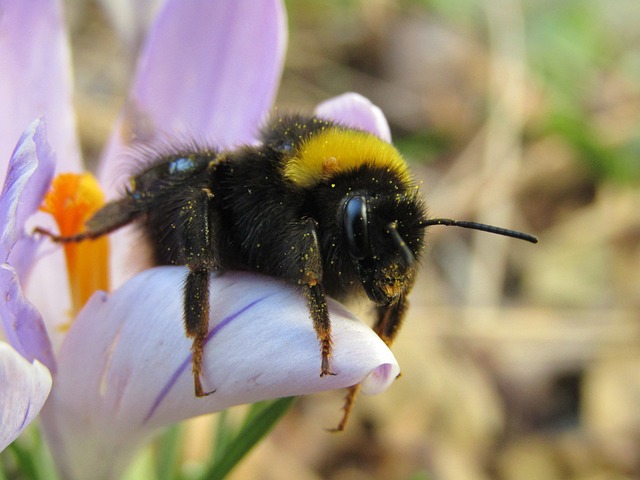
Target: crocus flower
[{"x": 121, "y": 370}]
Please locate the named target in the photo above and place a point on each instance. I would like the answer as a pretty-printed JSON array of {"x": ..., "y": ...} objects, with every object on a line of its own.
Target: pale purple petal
[
  {"x": 356, "y": 111},
  {"x": 21, "y": 322},
  {"x": 25, "y": 387},
  {"x": 36, "y": 78},
  {"x": 28, "y": 178},
  {"x": 124, "y": 368},
  {"x": 209, "y": 71}
]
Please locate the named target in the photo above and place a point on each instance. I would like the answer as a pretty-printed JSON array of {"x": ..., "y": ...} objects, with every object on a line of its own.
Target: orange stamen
[{"x": 72, "y": 200}]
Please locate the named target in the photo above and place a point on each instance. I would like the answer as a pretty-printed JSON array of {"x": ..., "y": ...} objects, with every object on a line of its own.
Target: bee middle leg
[{"x": 322, "y": 324}]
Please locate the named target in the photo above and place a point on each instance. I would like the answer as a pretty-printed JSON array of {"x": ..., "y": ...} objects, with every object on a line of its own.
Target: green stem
[{"x": 259, "y": 421}]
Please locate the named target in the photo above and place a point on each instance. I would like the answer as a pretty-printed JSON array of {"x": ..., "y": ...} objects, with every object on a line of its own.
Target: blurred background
[{"x": 518, "y": 361}]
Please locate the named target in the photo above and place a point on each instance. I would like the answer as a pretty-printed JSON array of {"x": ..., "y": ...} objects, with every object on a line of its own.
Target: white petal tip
[{"x": 380, "y": 378}]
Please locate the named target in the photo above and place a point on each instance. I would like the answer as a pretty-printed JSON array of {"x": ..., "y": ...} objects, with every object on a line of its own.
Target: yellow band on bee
[{"x": 333, "y": 151}]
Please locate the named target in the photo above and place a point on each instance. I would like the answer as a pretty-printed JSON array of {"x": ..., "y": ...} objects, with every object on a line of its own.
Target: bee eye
[{"x": 355, "y": 228}]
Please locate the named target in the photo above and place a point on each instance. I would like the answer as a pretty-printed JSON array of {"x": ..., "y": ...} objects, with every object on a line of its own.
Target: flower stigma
[{"x": 72, "y": 200}]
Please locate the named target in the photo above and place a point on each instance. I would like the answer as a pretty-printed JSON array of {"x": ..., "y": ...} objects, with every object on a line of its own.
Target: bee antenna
[{"x": 482, "y": 227}]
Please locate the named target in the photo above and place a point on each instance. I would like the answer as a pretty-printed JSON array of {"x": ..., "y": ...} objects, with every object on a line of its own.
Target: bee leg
[
  {"x": 307, "y": 268},
  {"x": 110, "y": 217},
  {"x": 321, "y": 323},
  {"x": 349, "y": 402},
  {"x": 198, "y": 234},
  {"x": 389, "y": 319},
  {"x": 196, "y": 319}
]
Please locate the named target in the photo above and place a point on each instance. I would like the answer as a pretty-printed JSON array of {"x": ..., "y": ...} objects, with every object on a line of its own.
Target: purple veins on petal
[
  {"x": 28, "y": 178},
  {"x": 25, "y": 418},
  {"x": 183, "y": 366}
]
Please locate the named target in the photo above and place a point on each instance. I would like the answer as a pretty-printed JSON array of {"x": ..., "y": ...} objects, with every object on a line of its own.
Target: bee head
[{"x": 384, "y": 237}]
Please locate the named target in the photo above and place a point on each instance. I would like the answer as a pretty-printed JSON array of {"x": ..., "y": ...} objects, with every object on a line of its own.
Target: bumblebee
[{"x": 332, "y": 209}]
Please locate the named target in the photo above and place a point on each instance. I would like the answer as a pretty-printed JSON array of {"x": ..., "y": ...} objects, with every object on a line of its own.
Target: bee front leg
[
  {"x": 110, "y": 217},
  {"x": 388, "y": 321},
  {"x": 349, "y": 402}
]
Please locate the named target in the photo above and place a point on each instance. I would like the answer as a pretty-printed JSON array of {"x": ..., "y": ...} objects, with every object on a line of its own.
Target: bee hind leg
[{"x": 196, "y": 321}]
